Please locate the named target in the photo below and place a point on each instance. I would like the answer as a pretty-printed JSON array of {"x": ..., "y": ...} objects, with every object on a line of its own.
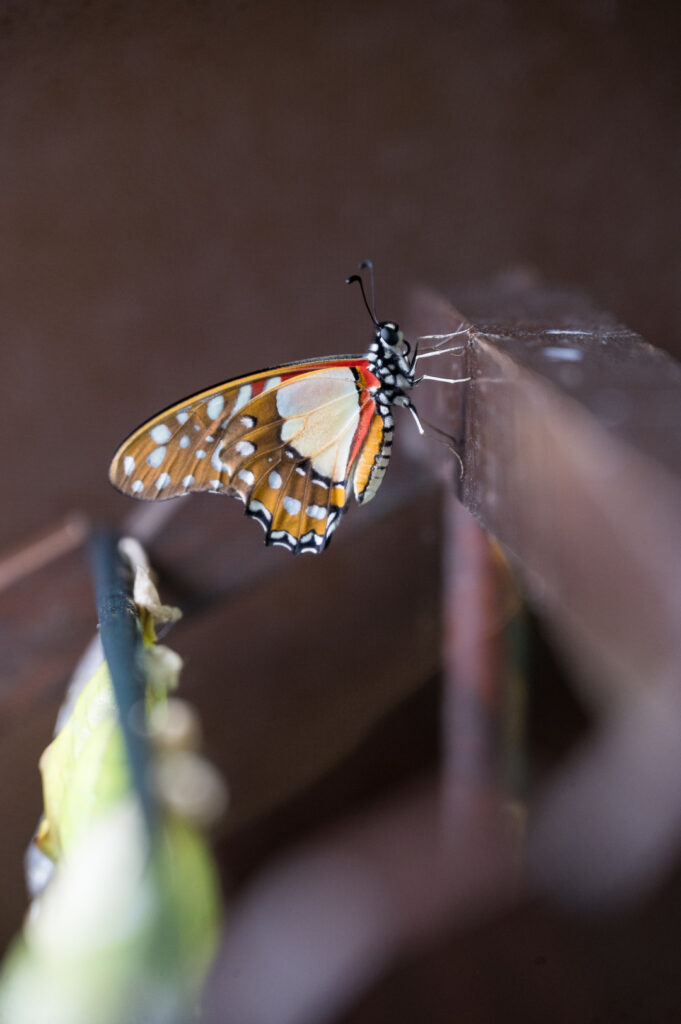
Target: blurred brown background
[{"x": 185, "y": 186}]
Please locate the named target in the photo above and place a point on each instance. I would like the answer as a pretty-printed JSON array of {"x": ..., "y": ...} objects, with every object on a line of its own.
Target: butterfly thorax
[{"x": 388, "y": 357}]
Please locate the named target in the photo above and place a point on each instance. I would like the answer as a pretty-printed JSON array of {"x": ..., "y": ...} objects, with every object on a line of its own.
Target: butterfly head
[
  {"x": 390, "y": 360},
  {"x": 389, "y": 333}
]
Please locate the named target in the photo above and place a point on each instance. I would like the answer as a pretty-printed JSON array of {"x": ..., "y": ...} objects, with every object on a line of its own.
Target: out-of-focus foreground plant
[{"x": 125, "y": 929}]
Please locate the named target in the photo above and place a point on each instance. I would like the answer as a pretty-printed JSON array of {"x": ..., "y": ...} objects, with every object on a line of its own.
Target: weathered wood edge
[{"x": 573, "y": 461}]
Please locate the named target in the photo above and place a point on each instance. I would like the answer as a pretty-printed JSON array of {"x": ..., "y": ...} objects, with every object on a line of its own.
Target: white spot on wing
[
  {"x": 182, "y": 417},
  {"x": 257, "y": 506},
  {"x": 316, "y": 538},
  {"x": 200, "y": 454},
  {"x": 283, "y": 539},
  {"x": 244, "y": 447},
  {"x": 157, "y": 456},
  {"x": 292, "y": 505},
  {"x": 184, "y": 441},
  {"x": 128, "y": 464},
  {"x": 274, "y": 480},
  {"x": 272, "y": 383},
  {"x": 162, "y": 481},
  {"x": 246, "y": 476},
  {"x": 243, "y": 397},
  {"x": 215, "y": 406},
  {"x": 257, "y": 518},
  {"x": 215, "y": 484},
  {"x": 316, "y": 511},
  {"x": 188, "y": 480},
  {"x": 136, "y": 486},
  {"x": 216, "y": 462},
  {"x": 160, "y": 433},
  {"x": 248, "y": 421}
]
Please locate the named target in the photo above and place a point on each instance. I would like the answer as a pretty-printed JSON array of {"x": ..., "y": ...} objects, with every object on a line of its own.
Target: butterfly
[{"x": 292, "y": 443}]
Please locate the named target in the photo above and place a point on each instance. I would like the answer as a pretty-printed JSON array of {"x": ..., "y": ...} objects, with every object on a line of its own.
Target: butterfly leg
[
  {"x": 442, "y": 338},
  {"x": 406, "y": 403},
  {"x": 438, "y": 352},
  {"x": 445, "y": 380}
]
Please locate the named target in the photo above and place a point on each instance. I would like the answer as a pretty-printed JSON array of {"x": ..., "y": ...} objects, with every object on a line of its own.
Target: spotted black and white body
[
  {"x": 292, "y": 443},
  {"x": 388, "y": 359}
]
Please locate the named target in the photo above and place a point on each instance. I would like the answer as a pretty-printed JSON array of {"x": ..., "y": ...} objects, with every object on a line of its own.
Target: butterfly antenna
[
  {"x": 356, "y": 277},
  {"x": 368, "y": 265}
]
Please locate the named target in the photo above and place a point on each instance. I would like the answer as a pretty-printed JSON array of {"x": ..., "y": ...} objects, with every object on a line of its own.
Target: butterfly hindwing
[{"x": 284, "y": 441}]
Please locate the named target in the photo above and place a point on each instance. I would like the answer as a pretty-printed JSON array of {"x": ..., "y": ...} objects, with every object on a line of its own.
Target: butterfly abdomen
[{"x": 373, "y": 460}]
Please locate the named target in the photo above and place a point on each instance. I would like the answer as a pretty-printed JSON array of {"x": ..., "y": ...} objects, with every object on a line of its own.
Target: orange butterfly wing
[{"x": 287, "y": 442}]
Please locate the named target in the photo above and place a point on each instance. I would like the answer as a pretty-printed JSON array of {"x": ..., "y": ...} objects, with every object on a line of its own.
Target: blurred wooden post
[
  {"x": 473, "y": 674},
  {"x": 571, "y": 439},
  {"x": 572, "y": 458}
]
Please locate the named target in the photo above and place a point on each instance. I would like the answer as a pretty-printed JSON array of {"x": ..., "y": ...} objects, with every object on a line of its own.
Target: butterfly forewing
[{"x": 284, "y": 441}]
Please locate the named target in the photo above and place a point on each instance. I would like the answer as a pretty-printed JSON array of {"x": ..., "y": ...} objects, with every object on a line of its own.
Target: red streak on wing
[{"x": 367, "y": 408}]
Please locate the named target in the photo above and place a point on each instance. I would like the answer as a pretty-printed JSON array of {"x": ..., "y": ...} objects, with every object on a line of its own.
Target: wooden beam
[{"x": 572, "y": 451}]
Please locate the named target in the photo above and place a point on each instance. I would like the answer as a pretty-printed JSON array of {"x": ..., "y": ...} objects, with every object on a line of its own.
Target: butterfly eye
[{"x": 389, "y": 333}]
